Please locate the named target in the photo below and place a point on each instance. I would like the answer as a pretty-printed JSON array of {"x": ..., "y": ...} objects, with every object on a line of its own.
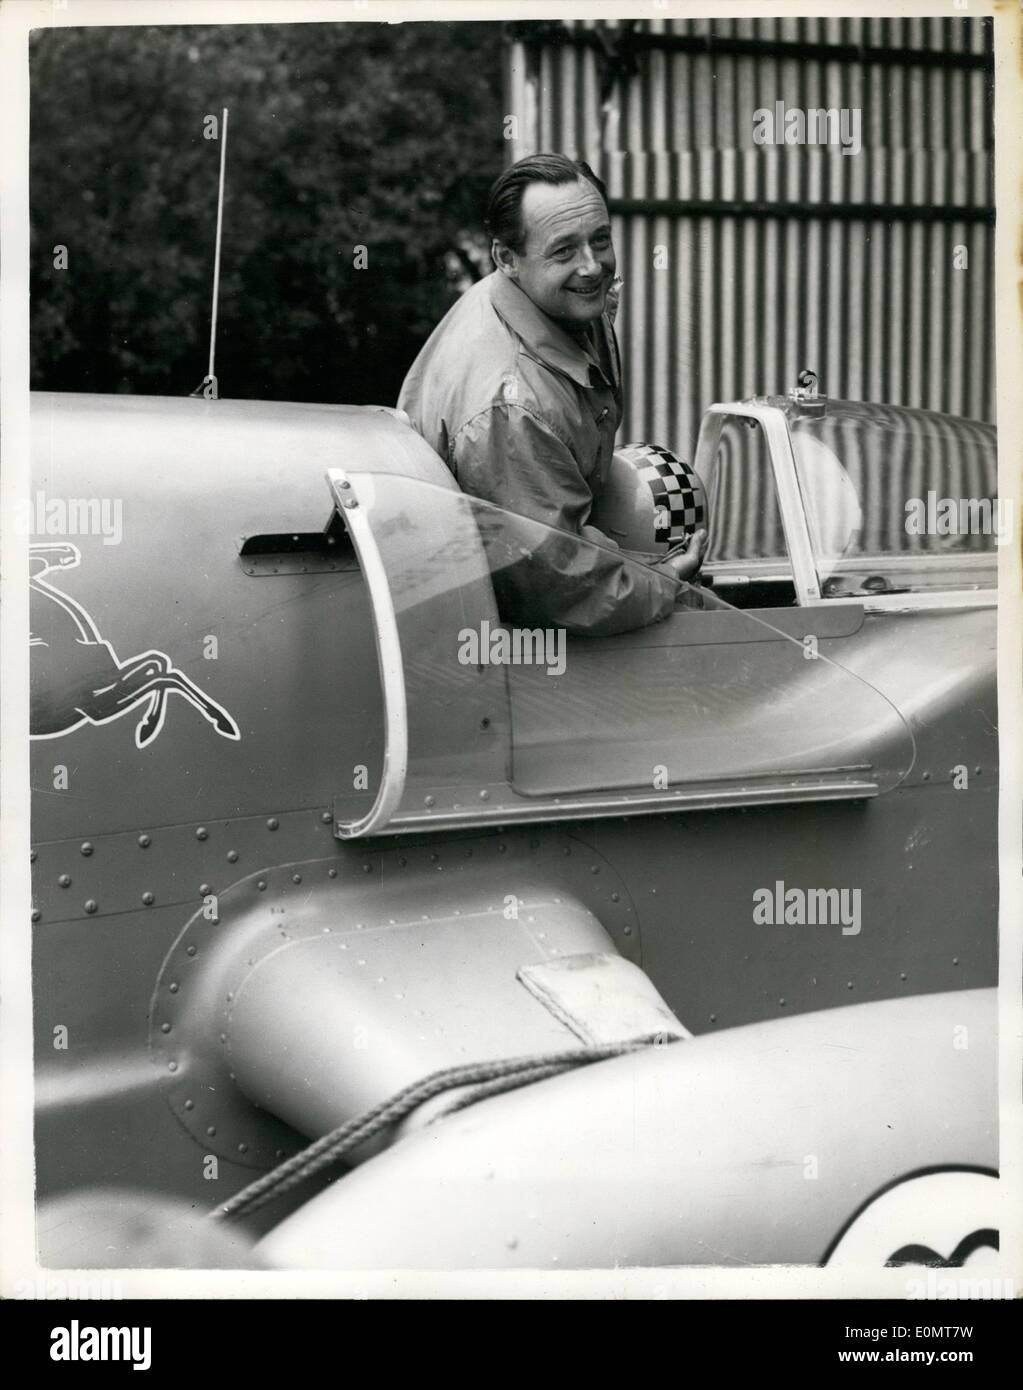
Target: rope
[
  {"x": 486, "y": 1078},
  {"x": 540, "y": 1072}
]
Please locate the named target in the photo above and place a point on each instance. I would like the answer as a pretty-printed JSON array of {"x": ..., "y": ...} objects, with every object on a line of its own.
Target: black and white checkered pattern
[{"x": 676, "y": 490}]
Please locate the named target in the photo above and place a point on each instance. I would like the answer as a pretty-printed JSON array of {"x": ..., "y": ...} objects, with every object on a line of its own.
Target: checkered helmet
[{"x": 651, "y": 500}]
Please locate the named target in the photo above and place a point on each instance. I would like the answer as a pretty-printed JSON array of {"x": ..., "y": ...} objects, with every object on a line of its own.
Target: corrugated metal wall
[{"x": 744, "y": 263}]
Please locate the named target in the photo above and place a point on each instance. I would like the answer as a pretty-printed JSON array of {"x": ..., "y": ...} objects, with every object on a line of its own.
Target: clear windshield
[
  {"x": 505, "y": 715},
  {"x": 898, "y": 501}
]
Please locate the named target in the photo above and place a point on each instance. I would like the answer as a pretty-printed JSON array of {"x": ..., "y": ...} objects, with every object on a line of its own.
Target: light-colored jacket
[{"x": 525, "y": 417}]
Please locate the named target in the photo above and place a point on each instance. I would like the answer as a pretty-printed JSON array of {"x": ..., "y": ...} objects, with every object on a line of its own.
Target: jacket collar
[{"x": 542, "y": 337}]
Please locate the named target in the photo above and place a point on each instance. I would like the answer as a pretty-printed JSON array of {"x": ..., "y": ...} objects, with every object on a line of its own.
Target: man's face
[{"x": 568, "y": 259}]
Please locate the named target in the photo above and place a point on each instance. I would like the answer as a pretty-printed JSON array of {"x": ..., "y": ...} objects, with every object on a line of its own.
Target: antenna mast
[{"x": 220, "y": 228}]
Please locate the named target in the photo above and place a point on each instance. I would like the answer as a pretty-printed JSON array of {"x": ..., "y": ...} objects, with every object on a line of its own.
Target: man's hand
[{"x": 687, "y": 559}]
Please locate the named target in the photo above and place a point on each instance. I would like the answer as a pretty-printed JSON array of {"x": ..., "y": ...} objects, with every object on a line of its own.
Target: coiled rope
[{"x": 486, "y": 1078}]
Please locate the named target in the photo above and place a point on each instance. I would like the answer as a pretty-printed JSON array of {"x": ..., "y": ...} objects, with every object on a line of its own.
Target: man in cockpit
[{"x": 519, "y": 390}]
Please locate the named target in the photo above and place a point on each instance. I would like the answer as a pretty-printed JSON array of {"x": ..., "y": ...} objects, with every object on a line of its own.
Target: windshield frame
[
  {"x": 773, "y": 421},
  {"x": 776, "y": 415},
  {"x": 414, "y": 790}
]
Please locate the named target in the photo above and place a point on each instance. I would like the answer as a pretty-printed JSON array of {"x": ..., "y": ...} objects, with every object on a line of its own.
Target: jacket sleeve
[{"x": 549, "y": 567}]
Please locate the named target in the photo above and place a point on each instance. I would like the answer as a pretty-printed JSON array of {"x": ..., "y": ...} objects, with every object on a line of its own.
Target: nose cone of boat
[{"x": 754, "y": 1146}]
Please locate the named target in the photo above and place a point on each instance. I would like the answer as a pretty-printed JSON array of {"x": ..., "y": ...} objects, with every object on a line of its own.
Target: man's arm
[{"x": 561, "y": 572}]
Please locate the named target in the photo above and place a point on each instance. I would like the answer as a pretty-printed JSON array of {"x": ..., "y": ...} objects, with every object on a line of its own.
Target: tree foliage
[{"x": 340, "y": 136}]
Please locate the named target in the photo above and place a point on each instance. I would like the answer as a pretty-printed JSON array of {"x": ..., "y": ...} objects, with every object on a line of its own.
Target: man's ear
[{"x": 505, "y": 259}]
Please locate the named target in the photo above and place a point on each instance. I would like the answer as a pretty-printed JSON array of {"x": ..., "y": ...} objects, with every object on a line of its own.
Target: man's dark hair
[{"x": 504, "y": 207}]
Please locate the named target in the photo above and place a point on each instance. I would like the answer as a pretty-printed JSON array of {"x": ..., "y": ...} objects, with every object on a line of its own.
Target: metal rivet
[
  {"x": 32, "y": 857},
  {"x": 782, "y": 1002},
  {"x": 64, "y": 880},
  {"x": 229, "y": 997},
  {"x": 211, "y": 1130},
  {"x": 594, "y": 868},
  {"x": 36, "y": 914},
  {"x": 261, "y": 885},
  {"x": 191, "y": 950},
  {"x": 243, "y": 1148},
  {"x": 204, "y": 888},
  {"x": 148, "y": 899},
  {"x": 848, "y": 984},
  {"x": 926, "y": 777},
  {"x": 144, "y": 842},
  {"x": 367, "y": 868},
  {"x": 165, "y": 1027},
  {"x": 189, "y": 1104},
  {"x": 174, "y": 987},
  {"x": 484, "y": 795},
  {"x": 278, "y": 1153},
  {"x": 91, "y": 905},
  {"x": 427, "y": 800},
  {"x": 902, "y": 974},
  {"x": 272, "y": 823},
  {"x": 172, "y": 1066},
  {"x": 713, "y": 1018},
  {"x": 202, "y": 833},
  {"x": 616, "y": 897},
  {"x": 978, "y": 770},
  {"x": 326, "y": 817},
  {"x": 502, "y": 849},
  {"x": 627, "y": 931},
  {"x": 955, "y": 960},
  {"x": 85, "y": 848},
  {"x": 232, "y": 856},
  {"x": 223, "y": 1037},
  {"x": 296, "y": 878},
  {"x": 332, "y": 873}
]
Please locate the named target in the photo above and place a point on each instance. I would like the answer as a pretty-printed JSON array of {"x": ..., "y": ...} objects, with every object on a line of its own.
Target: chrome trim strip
[
  {"x": 922, "y": 602},
  {"x": 660, "y": 803},
  {"x": 392, "y": 672}
]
